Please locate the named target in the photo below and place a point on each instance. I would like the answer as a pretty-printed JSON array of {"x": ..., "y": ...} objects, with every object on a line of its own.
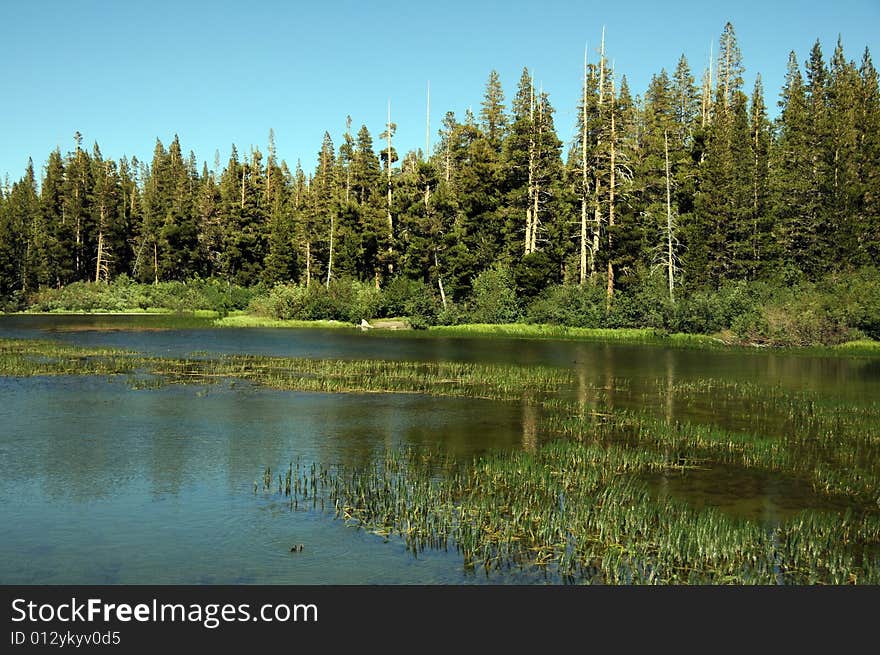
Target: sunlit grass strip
[
  {"x": 861, "y": 346},
  {"x": 577, "y": 511},
  {"x": 241, "y": 320},
  {"x": 129, "y": 311},
  {"x": 544, "y": 331}
]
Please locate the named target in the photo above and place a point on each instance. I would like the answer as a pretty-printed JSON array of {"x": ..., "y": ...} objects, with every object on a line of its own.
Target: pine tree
[
  {"x": 817, "y": 133},
  {"x": 78, "y": 185},
  {"x": 156, "y": 207},
  {"x": 25, "y": 222},
  {"x": 794, "y": 204},
  {"x": 10, "y": 244},
  {"x": 718, "y": 234},
  {"x": 324, "y": 206},
  {"x": 210, "y": 233},
  {"x": 282, "y": 262},
  {"x": 61, "y": 236},
  {"x": 686, "y": 102},
  {"x": 840, "y": 150},
  {"x": 761, "y": 251},
  {"x": 246, "y": 238},
  {"x": 129, "y": 215},
  {"x": 104, "y": 202},
  {"x": 230, "y": 215},
  {"x": 656, "y": 165},
  {"x": 868, "y": 158},
  {"x": 492, "y": 116}
]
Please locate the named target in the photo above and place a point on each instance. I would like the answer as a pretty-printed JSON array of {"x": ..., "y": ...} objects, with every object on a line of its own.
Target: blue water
[{"x": 100, "y": 483}]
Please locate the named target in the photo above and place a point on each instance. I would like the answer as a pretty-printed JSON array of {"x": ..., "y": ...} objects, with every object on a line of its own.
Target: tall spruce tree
[
  {"x": 794, "y": 200},
  {"x": 868, "y": 158}
]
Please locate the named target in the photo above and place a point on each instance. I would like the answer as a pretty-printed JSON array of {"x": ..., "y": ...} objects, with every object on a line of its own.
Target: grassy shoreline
[{"x": 528, "y": 331}]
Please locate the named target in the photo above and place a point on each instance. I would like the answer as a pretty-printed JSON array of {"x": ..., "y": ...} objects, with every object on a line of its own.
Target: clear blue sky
[{"x": 217, "y": 73}]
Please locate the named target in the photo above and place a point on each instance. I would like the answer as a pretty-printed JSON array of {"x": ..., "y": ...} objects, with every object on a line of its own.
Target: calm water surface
[{"x": 103, "y": 484}]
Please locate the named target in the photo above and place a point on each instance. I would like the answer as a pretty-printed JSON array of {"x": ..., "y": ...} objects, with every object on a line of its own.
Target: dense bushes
[
  {"x": 350, "y": 301},
  {"x": 341, "y": 300},
  {"x": 124, "y": 295},
  {"x": 569, "y": 304},
  {"x": 838, "y": 308},
  {"x": 493, "y": 299}
]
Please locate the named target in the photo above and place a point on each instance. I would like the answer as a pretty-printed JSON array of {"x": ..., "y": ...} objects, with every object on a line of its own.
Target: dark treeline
[{"x": 690, "y": 183}]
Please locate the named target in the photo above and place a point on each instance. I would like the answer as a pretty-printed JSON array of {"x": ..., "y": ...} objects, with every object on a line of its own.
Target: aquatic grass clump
[
  {"x": 577, "y": 512},
  {"x": 26, "y": 358},
  {"x": 22, "y": 357},
  {"x": 496, "y": 382},
  {"x": 837, "y": 461}
]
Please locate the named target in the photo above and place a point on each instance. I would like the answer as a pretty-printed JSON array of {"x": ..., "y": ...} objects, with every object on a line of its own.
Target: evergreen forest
[{"x": 689, "y": 206}]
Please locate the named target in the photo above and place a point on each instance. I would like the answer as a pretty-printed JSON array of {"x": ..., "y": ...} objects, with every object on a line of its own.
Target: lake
[{"x": 104, "y": 484}]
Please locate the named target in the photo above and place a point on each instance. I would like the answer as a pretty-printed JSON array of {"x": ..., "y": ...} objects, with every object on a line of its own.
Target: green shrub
[
  {"x": 808, "y": 314},
  {"x": 341, "y": 300},
  {"x": 421, "y": 308},
  {"x": 534, "y": 273},
  {"x": 708, "y": 311},
  {"x": 854, "y": 299},
  {"x": 573, "y": 305},
  {"x": 493, "y": 299},
  {"x": 452, "y": 315},
  {"x": 123, "y": 294},
  {"x": 397, "y": 294}
]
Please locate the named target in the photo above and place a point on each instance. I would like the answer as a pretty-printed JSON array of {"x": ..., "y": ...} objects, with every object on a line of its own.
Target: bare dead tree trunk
[
  {"x": 388, "y": 151},
  {"x": 584, "y": 190},
  {"x": 100, "y": 262},
  {"x": 439, "y": 279},
  {"x": 706, "y": 108},
  {"x": 602, "y": 65},
  {"x": 308, "y": 264},
  {"x": 613, "y": 143},
  {"x": 348, "y": 164},
  {"x": 536, "y": 199},
  {"x": 670, "y": 261},
  {"x": 755, "y": 254},
  {"x": 390, "y": 220},
  {"x": 243, "y": 166},
  {"x": 270, "y": 159},
  {"x": 100, "y": 253},
  {"x": 330, "y": 258},
  {"x": 448, "y": 157},
  {"x": 597, "y": 187},
  {"x": 530, "y": 217},
  {"x": 78, "y": 231}
]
